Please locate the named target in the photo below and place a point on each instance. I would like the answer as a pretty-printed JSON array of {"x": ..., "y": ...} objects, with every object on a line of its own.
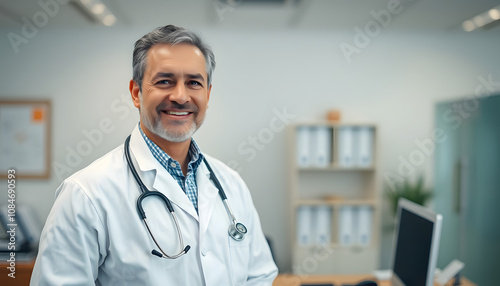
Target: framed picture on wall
[{"x": 25, "y": 129}]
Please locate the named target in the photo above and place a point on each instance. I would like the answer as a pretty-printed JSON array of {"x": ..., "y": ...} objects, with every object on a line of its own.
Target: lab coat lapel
[
  {"x": 207, "y": 197},
  {"x": 167, "y": 185},
  {"x": 162, "y": 181}
]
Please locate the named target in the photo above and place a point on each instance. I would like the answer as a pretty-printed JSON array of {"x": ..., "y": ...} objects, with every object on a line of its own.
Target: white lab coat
[{"x": 93, "y": 234}]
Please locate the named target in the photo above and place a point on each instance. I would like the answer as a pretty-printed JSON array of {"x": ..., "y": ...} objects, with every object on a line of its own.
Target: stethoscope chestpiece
[{"x": 237, "y": 231}]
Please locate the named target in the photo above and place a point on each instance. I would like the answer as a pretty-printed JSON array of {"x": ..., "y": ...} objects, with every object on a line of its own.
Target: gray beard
[
  {"x": 154, "y": 125},
  {"x": 160, "y": 131}
]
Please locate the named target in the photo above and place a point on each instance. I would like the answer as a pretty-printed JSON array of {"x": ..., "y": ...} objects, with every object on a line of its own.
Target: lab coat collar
[
  {"x": 166, "y": 184},
  {"x": 141, "y": 152},
  {"x": 163, "y": 182}
]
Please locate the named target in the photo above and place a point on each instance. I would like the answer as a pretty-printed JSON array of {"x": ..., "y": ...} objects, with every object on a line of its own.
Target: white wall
[{"x": 394, "y": 82}]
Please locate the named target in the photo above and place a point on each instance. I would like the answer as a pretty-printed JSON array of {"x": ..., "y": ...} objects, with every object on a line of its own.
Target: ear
[{"x": 135, "y": 92}]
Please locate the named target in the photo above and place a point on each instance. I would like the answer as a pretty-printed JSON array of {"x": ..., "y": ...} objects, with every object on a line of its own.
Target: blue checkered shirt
[{"x": 188, "y": 182}]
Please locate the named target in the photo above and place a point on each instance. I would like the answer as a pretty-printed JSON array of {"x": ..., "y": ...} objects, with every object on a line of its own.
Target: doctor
[{"x": 94, "y": 234}]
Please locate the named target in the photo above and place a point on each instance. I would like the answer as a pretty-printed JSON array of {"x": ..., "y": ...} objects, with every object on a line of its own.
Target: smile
[{"x": 178, "y": 113}]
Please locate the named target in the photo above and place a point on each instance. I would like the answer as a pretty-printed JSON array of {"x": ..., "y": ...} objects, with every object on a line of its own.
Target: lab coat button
[{"x": 204, "y": 252}]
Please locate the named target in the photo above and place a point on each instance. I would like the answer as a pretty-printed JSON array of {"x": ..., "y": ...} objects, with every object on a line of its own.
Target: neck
[{"x": 176, "y": 150}]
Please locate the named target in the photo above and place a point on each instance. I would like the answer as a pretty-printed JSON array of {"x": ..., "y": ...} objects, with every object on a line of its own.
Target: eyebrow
[{"x": 169, "y": 74}]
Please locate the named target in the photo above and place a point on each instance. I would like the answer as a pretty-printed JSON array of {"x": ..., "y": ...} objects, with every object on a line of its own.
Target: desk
[
  {"x": 24, "y": 269},
  {"x": 23, "y": 273},
  {"x": 337, "y": 280}
]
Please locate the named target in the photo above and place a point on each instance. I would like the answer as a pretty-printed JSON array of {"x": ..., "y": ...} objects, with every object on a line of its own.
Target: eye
[
  {"x": 163, "y": 82},
  {"x": 195, "y": 83}
]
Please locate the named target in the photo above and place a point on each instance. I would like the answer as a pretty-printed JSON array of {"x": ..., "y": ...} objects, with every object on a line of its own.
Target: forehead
[{"x": 175, "y": 58}]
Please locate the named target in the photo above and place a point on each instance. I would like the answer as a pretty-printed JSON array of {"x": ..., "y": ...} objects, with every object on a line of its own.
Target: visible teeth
[{"x": 177, "y": 113}]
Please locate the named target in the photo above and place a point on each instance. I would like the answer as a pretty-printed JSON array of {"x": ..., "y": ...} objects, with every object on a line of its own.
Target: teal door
[
  {"x": 448, "y": 159},
  {"x": 467, "y": 176}
]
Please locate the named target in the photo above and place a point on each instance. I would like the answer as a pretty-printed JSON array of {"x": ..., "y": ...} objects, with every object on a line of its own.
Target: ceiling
[{"x": 413, "y": 15}]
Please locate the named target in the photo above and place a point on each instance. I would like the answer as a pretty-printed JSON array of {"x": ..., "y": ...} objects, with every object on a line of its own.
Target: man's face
[{"x": 175, "y": 92}]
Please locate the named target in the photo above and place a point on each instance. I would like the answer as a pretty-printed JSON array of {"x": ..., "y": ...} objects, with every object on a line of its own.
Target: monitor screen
[{"x": 416, "y": 245}]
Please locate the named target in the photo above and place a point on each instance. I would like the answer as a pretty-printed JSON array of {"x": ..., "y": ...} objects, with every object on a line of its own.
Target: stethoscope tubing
[
  {"x": 222, "y": 194},
  {"x": 236, "y": 230},
  {"x": 145, "y": 192}
]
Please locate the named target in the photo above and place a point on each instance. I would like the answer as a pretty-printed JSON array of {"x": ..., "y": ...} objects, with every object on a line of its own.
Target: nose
[{"x": 179, "y": 94}]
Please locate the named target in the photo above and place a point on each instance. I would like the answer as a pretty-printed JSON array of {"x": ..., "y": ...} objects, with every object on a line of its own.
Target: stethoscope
[{"x": 236, "y": 230}]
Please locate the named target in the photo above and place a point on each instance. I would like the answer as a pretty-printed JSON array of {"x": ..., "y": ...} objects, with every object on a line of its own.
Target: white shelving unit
[{"x": 334, "y": 186}]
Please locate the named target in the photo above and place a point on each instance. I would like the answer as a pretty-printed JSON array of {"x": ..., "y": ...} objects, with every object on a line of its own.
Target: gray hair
[{"x": 169, "y": 35}]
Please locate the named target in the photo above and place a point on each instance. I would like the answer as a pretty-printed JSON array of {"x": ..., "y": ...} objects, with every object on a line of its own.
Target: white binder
[
  {"x": 322, "y": 224},
  {"x": 346, "y": 225},
  {"x": 303, "y": 146},
  {"x": 304, "y": 225},
  {"x": 322, "y": 146},
  {"x": 364, "y": 224},
  {"x": 365, "y": 147},
  {"x": 346, "y": 144}
]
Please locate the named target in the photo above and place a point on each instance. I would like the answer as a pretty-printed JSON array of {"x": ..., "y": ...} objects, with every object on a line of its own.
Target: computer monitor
[{"x": 416, "y": 244}]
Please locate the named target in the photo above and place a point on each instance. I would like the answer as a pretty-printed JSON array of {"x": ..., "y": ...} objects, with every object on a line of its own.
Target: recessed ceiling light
[
  {"x": 109, "y": 20},
  {"x": 98, "y": 11},
  {"x": 478, "y": 20},
  {"x": 98, "y": 8},
  {"x": 482, "y": 19},
  {"x": 494, "y": 14},
  {"x": 468, "y": 25}
]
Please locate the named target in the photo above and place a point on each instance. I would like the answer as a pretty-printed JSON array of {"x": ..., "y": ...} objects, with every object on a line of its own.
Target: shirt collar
[{"x": 194, "y": 154}]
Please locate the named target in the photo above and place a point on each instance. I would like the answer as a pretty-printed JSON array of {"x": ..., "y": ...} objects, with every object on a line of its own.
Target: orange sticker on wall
[{"x": 37, "y": 115}]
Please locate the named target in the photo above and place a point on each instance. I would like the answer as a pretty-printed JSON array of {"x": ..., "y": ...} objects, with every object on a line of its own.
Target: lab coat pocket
[{"x": 240, "y": 256}]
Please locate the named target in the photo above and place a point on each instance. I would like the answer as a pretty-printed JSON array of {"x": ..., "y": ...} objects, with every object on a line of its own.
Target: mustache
[{"x": 190, "y": 107}]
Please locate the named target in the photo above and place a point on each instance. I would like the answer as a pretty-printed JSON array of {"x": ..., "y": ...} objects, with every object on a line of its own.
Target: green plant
[{"x": 414, "y": 192}]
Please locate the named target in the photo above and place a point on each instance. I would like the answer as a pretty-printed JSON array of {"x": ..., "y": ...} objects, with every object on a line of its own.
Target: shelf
[
  {"x": 324, "y": 191},
  {"x": 336, "y": 168},
  {"x": 333, "y": 124},
  {"x": 352, "y": 247},
  {"x": 319, "y": 202}
]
